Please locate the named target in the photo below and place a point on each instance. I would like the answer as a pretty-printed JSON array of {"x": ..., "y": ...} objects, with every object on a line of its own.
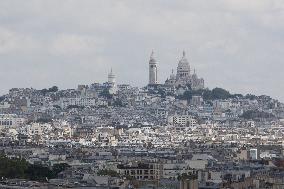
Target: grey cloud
[{"x": 235, "y": 44}]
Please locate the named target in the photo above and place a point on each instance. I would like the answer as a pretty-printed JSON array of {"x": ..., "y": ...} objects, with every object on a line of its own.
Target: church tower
[
  {"x": 153, "y": 71},
  {"x": 111, "y": 77},
  {"x": 112, "y": 83}
]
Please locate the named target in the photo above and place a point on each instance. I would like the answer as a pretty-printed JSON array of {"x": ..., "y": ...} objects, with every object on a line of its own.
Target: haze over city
[
  {"x": 129, "y": 94},
  {"x": 236, "y": 45}
]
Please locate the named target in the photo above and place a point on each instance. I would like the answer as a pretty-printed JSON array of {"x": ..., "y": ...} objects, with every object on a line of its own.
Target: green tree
[
  {"x": 20, "y": 168},
  {"x": 105, "y": 93},
  {"x": 57, "y": 168},
  {"x": 109, "y": 172},
  {"x": 219, "y": 93},
  {"x": 53, "y": 89}
]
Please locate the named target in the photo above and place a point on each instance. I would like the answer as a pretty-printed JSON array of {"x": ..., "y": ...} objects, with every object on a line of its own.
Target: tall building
[
  {"x": 112, "y": 83},
  {"x": 111, "y": 77},
  {"x": 153, "y": 71}
]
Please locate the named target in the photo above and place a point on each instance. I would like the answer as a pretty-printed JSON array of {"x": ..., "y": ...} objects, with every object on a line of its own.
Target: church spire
[{"x": 152, "y": 54}]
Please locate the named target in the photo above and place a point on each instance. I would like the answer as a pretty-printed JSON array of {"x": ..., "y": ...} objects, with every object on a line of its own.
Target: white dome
[
  {"x": 152, "y": 59},
  {"x": 183, "y": 63}
]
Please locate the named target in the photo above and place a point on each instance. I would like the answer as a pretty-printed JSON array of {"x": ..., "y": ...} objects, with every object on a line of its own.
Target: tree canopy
[
  {"x": 20, "y": 168},
  {"x": 207, "y": 94},
  {"x": 104, "y": 172},
  {"x": 50, "y": 90},
  {"x": 255, "y": 114},
  {"x": 44, "y": 120}
]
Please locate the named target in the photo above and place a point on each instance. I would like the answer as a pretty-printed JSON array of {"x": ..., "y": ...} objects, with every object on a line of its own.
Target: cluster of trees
[
  {"x": 216, "y": 94},
  {"x": 20, "y": 168},
  {"x": 44, "y": 120},
  {"x": 185, "y": 176},
  {"x": 118, "y": 103},
  {"x": 105, "y": 93},
  {"x": 251, "y": 97},
  {"x": 2, "y": 98},
  {"x": 41, "y": 120},
  {"x": 108, "y": 172},
  {"x": 207, "y": 94},
  {"x": 159, "y": 91},
  {"x": 256, "y": 114},
  {"x": 50, "y": 90}
]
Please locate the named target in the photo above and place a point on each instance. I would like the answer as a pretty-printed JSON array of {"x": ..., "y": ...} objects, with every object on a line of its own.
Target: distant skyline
[{"x": 234, "y": 44}]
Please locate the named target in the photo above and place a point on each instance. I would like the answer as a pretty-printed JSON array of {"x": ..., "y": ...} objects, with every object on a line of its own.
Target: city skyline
[
  {"x": 233, "y": 45},
  {"x": 129, "y": 94}
]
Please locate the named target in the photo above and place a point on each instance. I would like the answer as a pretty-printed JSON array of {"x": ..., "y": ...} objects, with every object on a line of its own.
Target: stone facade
[{"x": 184, "y": 77}]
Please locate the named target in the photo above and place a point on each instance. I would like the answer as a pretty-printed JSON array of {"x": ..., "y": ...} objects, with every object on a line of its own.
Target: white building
[
  {"x": 4, "y": 105},
  {"x": 112, "y": 83},
  {"x": 221, "y": 104},
  {"x": 10, "y": 120},
  {"x": 78, "y": 101},
  {"x": 34, "y": 129},
  {"x": 253, "y": 154},
  {"x": 183, "y": 120}
]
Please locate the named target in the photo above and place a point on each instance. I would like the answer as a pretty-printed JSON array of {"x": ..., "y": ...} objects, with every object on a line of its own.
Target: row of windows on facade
[
  {"x": 139, "y": 172},
  {"x": 6, "y": 123}
]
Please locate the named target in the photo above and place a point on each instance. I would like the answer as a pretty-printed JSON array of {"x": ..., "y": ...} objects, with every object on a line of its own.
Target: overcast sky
[{"x": 234, "y": 44}]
